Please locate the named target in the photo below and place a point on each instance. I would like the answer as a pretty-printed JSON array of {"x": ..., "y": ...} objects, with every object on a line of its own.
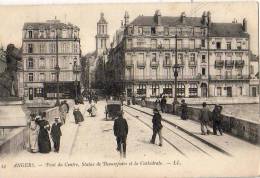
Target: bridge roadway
[{"x": 199, "y": 155}]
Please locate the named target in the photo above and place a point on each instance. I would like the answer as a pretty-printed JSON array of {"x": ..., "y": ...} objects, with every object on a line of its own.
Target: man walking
[
  {"x": 217, "y": 118},
  {"x": 204, "y": 118},
  {"x": 184, "y": 110},
  {"x": 56, "y": 134},
  {"x": 163, "y": 104},
  {"x": 157, "y": 126},
  {"x": 121, "y": 131}
]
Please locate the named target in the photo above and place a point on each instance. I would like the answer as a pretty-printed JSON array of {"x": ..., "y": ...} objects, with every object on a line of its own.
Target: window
[
  {"x": 180, "y": 59},
  {"x": 192, "y": 58},
  {"x": 103, "y": 43},
  {"x": 38, "y": 92},
  {"x": 155, "y": 89},
  {"x": 30, "y": 34},
  {"x": 30, "y": 48},
  {"x": 53, "y": 76},
  {"x": 228, "y": 74},
  {"x": 203, "y": 43},
  {"x": 192, "y": 44},
  {"x": 42, "y": 77},
  {"x": 239, "y": 73},
  {"x": 153, "y": 43},
  {"x": 167, "y": 89},
  {"x": 141, "y": 90},
  {"x": 30, "y": 75},
  {"x": 240, "y": 91},
  {"x": 42, "y": 48},
  {"x": 42, "y": 63},
  {"x": 41, "y": 34},
  {"x": 130, "y": 30},
  {"x": 75, "y": 48},
  {"x": 166, "y": 43},
  {"x": 193, "y": 90},
  {"x": 203, "y": 58},
  {"x": 153, "y": 31},
  {"x": 219, "y": 91},
  {"x": 228, "y": 45},
  {"x": 154, "y": 57},
  {"x": 167, "y": 59},
  {"x": 30, "y": 63},
  {"x": 218, "y": 56},
  {"x": 180, "y": 89},
  {"x": 251, "y": 69},
  {"x": 52, "y": 62},
  {"x": 203, "y": 71},
  {"x": 129, "y": 43},
  {"x": 166, "y": 30},
  {"x": 140, "y": 60},
  {"x": 179, "y": 43},
  {"x": 239, "y": 45},
  {"x": 218, "y": 45},
  {"x": 140, "y": 30},
  {"x": 52, "y": 47}
]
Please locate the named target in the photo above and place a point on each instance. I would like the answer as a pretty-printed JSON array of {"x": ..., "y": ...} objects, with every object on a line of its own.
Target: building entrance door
[
  {"x": 254, "y": 91},
  {"x": 30, "y": 93},
  {"x": 204, "y": 90},
  {"x": 229, "y": 91}
]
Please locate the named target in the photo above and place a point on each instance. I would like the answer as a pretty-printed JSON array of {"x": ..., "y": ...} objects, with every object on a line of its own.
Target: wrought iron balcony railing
[
  {"x": 229, "y": 63},
  {"x": 154, "y": 63},
  {"x": 167, "y": 63},
  {"x": 239, "y": 63},
  {"x": 219, "y": 64},
  {"x": 129, "y": 63},
  {"x": 140, "y": 64},
  {"x": 229, "y": 77}
]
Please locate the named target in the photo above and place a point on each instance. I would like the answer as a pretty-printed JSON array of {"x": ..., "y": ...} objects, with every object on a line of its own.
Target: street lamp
[
  {"x": 57, "y": 68},
  {"x": 76, "y": 81},
  {"x": 175, "y": 67}
]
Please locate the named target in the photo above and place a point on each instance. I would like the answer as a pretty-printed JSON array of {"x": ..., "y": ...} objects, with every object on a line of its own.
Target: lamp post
[
  {"x": 76, "y": 80},
  {"x": 175, "y": 67},
  {"x": 57, "y": 68}
]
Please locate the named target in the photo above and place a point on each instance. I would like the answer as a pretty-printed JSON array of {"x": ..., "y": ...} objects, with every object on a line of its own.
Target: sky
[{"x": 85, "y": 16}]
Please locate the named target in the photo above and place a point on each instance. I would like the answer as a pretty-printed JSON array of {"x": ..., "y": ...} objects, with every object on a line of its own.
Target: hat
[
  {"x": 56, "y": 118},
  {"x": 155, "y": 110}
]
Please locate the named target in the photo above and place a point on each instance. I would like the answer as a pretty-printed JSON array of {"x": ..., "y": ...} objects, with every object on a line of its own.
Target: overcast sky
[{"x": 86, "y": 16}]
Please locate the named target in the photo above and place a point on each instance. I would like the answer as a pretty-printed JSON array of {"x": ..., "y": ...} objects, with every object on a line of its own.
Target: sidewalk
[{"x": 230, "y": 144}]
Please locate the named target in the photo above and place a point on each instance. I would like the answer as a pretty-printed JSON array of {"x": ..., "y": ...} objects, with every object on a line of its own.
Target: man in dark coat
[
  {"x": 163, "y": 104},
  {"x": 184, "y": 110},
  {"x": 56, "y": 134},
  {"x": 121, "y": 131},
  {"x": 217, "y": 118},
  {"x": 204, "y": 118},
  {"x": 157, "y": 126}
]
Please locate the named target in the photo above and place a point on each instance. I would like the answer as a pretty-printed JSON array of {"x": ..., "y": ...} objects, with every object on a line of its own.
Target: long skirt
[
  {"x": 34, "y": 140},
  {"x": 44, "y": 141}
]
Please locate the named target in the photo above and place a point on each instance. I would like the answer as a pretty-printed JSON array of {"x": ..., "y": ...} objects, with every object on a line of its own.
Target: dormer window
[
  {"x": 140, "y": 30},
  {"x": 30, "y": 34},
  {"x": 153, "y": 31}
]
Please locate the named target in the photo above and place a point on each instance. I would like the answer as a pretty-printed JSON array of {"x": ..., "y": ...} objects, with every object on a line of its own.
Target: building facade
[
  {"x": 2, "y": 60},
  {"x": 212, "y": 57},
  {"x": 42, "y": 44}
]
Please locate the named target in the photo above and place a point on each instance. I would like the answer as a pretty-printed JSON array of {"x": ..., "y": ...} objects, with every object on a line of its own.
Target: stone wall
[
  {"x": 18, "y": 138},
  {"x": 238, "y": 127}
]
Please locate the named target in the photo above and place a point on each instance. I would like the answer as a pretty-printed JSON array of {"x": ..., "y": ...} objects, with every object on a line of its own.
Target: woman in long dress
[
  {"x": 43, "y": 138},
  {"x": 77, "y": 113},
  {"x": 33, "y": 135}
]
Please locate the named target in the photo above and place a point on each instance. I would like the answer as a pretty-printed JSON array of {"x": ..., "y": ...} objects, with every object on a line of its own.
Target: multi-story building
[
  {"x": 42, "y": 44},
  {"x": 212, "y": 57},
  {"x": 2, "y": 60}
]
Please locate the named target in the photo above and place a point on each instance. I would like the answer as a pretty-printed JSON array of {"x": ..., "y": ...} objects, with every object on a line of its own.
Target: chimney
[
  {"x": 183, "y": 17},
  {"x": 126, "y": 18},
  {"x": 204, "y": 18},
  {"x": 209, "y": 18},
  {"x": 158, "y": 17},
  {"x": 245, "y": 25}
]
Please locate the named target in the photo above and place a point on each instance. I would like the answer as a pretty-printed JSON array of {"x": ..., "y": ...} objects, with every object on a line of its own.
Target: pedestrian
[
  {"x": 77, "y": 114},
  {"x": 33, "y": 134},
  {"x": 163, "y": 104},
  {"x": 157, "y": 103},
  {"x": 204, "y": 118},
  {"x": 133, "y": 99},
  {"x": 143, "y": 102},
  {"x": 56, "y": 134},
  {"x": 157, "y": 127},
  {"x": 184, "y": 110},
  {"x": 44, "y": 143},
  {"x": 217, "y": 119},
  {"x": 121, "y": 131},
  {"x": 65, "y": 106},
  {"x": 92, "y": 110}
]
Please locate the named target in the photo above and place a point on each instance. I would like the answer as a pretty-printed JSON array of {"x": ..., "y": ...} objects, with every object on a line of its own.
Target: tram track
[{"x": 171, "y": 127}]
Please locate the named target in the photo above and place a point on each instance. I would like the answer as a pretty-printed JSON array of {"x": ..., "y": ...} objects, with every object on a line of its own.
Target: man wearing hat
[
  {"x": 56, "y": 134},
  {"x": 157, "y": 126},
  {"x": 121, "y": 131},
  {"x": 204, "y": 118}
]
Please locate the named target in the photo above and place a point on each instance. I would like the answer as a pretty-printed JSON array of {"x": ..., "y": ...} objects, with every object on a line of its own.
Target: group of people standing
[
  {"x": 160, "y": 104},
  {"x": 39, "y": 128}
]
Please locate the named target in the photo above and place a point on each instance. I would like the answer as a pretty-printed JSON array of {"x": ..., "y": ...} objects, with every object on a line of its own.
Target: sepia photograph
[{"x": 130, "y": 90}]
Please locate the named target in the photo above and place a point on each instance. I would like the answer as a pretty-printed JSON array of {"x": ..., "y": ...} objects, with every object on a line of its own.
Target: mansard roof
[
  {"x": 227, "y": 30},
  {"x": 49, "y": 24}
]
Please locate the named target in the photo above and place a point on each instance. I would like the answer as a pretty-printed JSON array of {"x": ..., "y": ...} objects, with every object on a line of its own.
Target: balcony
[
  {"x": 229, "y": 77},
  {"x": 229, "y": 63},
  {"x": 192, "y": 63},
  {"x": 154, "y": 64},
  {"x": 140, "y": 64},
  {"x": 219, "y": 64},
  {"x": 167, "y": 63},
  {"x": 129, "y": 63},
  {"x": 76, "y": 68},
  {"x": 239, "y": 63}
]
